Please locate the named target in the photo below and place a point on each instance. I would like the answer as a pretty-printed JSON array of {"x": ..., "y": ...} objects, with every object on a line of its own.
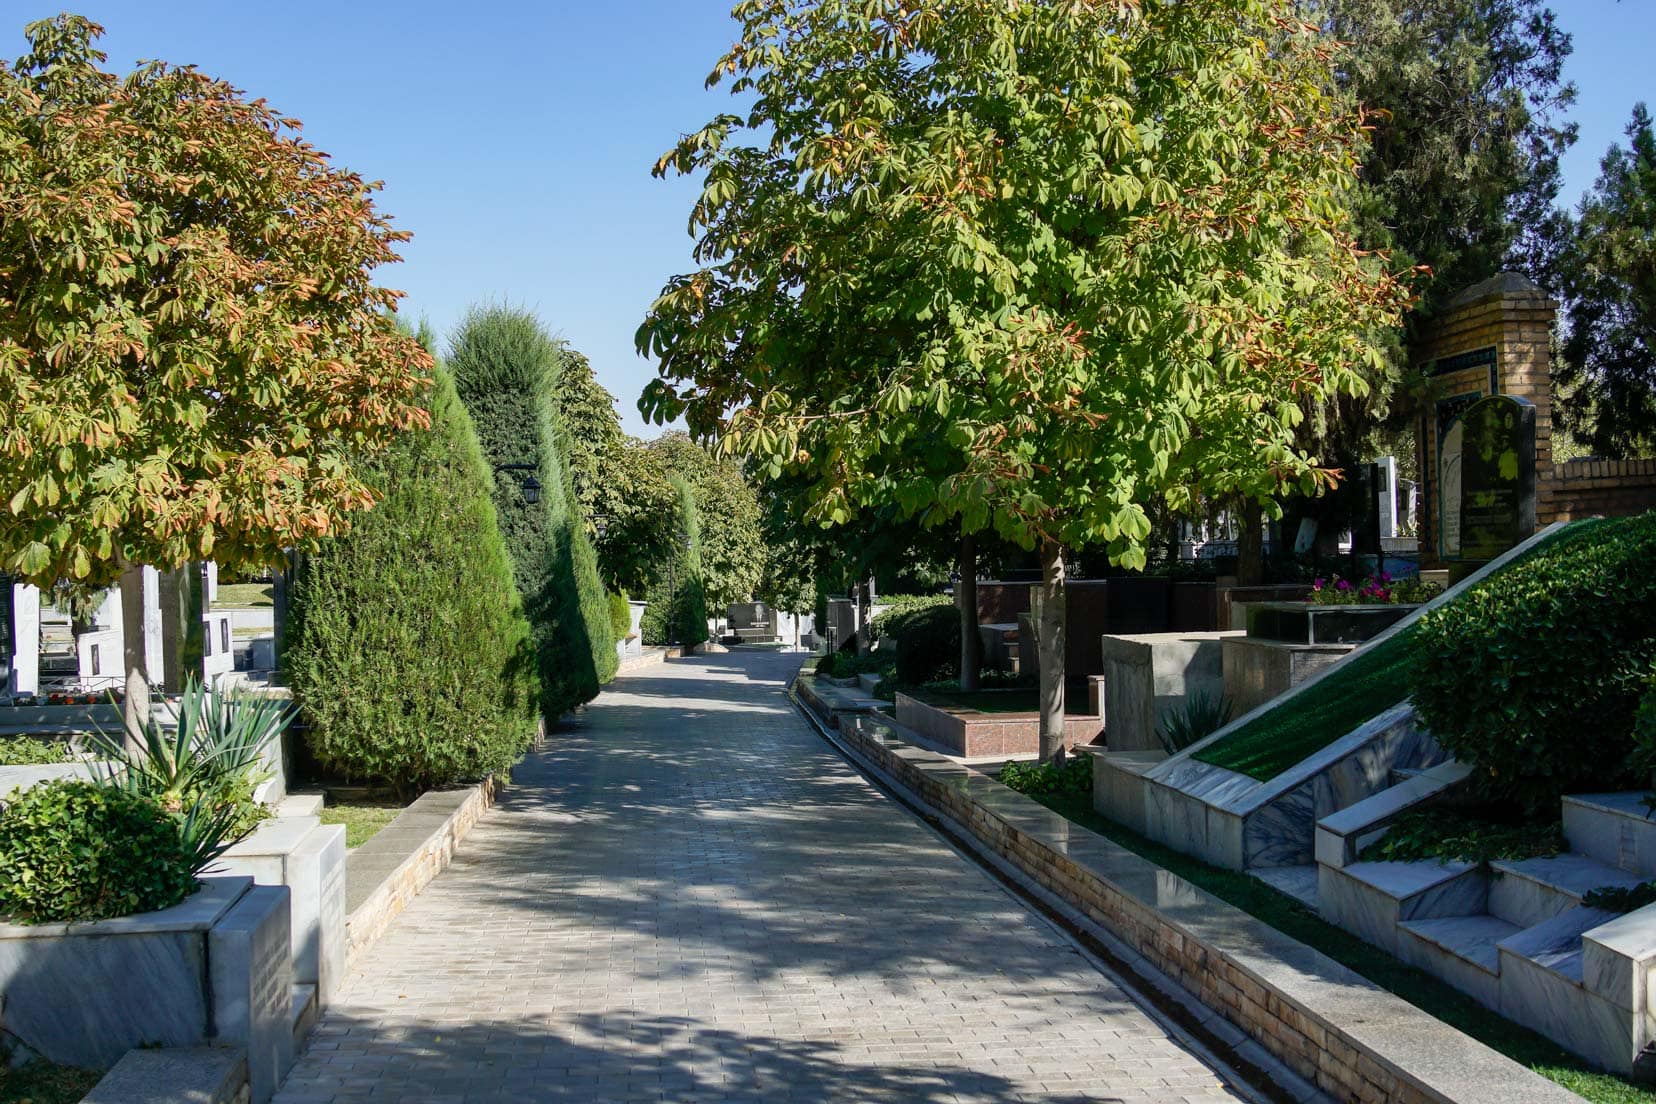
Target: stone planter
[
  {"x": 214, "y": 970},
  {"x": 1309, "y": 623},
  {"x": 308, "y": 858},
  {"x": 970, "y": 732},
  {"x": 1147, "y": 676}
]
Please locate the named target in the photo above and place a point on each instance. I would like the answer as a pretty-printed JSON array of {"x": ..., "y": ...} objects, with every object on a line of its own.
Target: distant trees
[
  {"x": 1607, "y": 373},
  {"x": 505, "y": 370}
]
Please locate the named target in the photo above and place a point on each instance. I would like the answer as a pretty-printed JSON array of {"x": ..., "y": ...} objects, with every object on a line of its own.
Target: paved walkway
[{"x": 689, "y": 897}]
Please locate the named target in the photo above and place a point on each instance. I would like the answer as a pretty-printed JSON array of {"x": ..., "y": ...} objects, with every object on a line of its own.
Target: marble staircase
[{"x": 1514, "y": 935}]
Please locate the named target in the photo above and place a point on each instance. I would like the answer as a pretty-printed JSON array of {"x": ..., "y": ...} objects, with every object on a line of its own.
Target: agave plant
[
  {"x": 208, "y": 765},
  {"x": 1200, "y": 716}
]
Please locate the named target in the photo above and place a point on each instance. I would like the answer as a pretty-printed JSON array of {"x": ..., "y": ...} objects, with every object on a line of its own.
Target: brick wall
[{"x": 1586, "y": 488}]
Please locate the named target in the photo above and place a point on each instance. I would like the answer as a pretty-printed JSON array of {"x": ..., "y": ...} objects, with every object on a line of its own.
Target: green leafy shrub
[
  {"x": 407, "y": 648},
  {"x": 1451, "y": 836},
  {"x": 23, "y": 751},
  {"x": 1533, "y": 676},
  {"x": 1073, "y": 775},
  {"x": 927, "y": 632},
  {"x": 213, "y": 759},
  {"x": 620, "y": 616},
  {"x": 1200, "y": 716},
  {"x": 505, "y": 371},
  {"x": 895, "y": 606},
  {"x": 1621, "y": 898},
  {"x": 79, "y": 851}
]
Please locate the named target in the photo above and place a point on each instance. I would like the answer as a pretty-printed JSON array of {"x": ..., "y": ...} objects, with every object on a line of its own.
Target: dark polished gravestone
[
  {"x": 1308, "y": 623},
  {"x": 1497, "y": 476}
]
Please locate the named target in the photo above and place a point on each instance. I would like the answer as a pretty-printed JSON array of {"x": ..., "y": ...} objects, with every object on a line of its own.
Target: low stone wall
[
  {"x": 216, "y": 969},
  {"x": 1356, "y": 1041},
  {"x": 391, "y": 869}
]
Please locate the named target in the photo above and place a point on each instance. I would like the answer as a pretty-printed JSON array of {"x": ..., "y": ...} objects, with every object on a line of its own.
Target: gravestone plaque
[
  {"x": 1449, "y": 492},
  {"x": 1497, "y": 476}
]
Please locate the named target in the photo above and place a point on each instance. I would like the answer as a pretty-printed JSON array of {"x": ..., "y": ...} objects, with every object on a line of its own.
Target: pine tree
[{"x": 505, "y": 369}]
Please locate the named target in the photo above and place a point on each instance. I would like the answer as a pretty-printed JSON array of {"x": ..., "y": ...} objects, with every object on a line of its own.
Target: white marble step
[
  {"x": 1531, "y": 891},
  {"x": 1614, "y": 828},
  {"x": 1555, "y": 943},
  {"x": 1298, "y": 882},
  {"x": 1426, "y": 890},
  {"x": 1472, "y": 939},
  {"x": 303, "y": 1013}
]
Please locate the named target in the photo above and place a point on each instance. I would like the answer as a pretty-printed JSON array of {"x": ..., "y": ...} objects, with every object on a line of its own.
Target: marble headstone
[{"x": 1497, "y": 476}]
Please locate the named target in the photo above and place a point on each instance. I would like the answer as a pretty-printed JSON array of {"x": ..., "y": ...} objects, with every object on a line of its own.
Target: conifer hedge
[
  {"x": 677, "y": 605},
  {"x": 407, "y": 647},
  {"x": 505, "y": 369}
]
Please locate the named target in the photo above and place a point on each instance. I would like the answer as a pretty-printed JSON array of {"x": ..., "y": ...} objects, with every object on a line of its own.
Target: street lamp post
[{"x": 530, "y": 485}]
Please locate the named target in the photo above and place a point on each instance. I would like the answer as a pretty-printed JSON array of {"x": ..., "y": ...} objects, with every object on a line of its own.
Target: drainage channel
[{"x": 1257, "y": 1076}]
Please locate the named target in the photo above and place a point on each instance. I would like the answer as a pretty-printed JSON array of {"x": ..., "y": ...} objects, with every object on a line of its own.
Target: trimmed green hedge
[
  {"x": 407, "y": 647},
  {"x": 76, "y": 851},
  {"x": 505, "y": 368},
  {"x": 1534, "y": 676},
  {"x": 927, "y": 631}
]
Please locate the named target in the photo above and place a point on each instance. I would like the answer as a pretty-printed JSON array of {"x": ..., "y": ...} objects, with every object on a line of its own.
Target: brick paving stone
[{"x": 687, "y": 896}]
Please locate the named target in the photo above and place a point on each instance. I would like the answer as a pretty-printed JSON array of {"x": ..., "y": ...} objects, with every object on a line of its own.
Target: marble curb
[
  {"x": 417, "y": 846},
  {"x": 174, "y": 1075},
  {"x": 1328, "y": 1024}
]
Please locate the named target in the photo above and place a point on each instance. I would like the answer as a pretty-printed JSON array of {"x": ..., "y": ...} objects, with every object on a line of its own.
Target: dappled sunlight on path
[{"x": 688, "y": 896}]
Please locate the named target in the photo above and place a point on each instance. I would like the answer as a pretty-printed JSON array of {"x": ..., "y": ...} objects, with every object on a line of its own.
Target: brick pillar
[{"x": 1494, "y": 338}]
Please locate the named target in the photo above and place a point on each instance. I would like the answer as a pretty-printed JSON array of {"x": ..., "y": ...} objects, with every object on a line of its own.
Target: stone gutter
[
  {"x": 1324, "y": 1022},
  {"x": 391, "y": 869}
]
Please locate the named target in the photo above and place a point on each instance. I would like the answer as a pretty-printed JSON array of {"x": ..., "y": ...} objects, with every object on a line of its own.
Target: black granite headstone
[{"x": 1497, "y": 476}]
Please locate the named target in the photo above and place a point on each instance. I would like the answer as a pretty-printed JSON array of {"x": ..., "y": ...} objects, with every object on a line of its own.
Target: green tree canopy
[
  {"x": 639, "y": 511},
  {"x": 1462, "y": 171},
  {"x": 194, "y": 359},
  {"x": 1080, "y": 257},
  {"x": 1608, "y": 367},
  {"x": 586, "y": 413}
]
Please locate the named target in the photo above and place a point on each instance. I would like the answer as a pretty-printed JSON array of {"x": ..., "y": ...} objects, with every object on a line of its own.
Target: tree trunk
[
  {"x": 141, "y": 668},
  {"x": 1049, "y": 644},
  {"x": 1250, "y": 545},
  {"x": 971, "y": 645}
]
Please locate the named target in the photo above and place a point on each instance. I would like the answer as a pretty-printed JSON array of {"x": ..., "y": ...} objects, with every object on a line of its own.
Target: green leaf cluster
[
  {"x": 76, "y": 851},
  {"x": 1607, "y": 371},
  {"x": 1071, "y": 776},
  {"x": 1018, "y": 265},
  {"x": 21, "y": 751},
  {"x": 407, "y": 648},
  {"x": 1451, "y": 836},
  {"x": 505, "y": 370},
  {"x": 1533, "y": 677}
]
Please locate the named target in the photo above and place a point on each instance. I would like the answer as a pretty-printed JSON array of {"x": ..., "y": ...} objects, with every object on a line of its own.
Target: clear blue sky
[{"x": 515, "y": 137}]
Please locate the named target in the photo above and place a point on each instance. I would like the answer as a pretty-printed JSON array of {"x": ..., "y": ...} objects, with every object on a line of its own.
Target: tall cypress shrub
[
  {"x": 676, "y": 609},
  {"x": 505, "y": 369},
  {"x": 407, "y": 646}
]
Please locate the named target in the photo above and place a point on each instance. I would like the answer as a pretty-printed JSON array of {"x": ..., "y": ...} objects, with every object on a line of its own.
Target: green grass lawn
[
  {"x": 1418, "y": 988},
  {"x": 362, "y": 818},
  {"x": 244, "y": 596},
  {"x": 41, "y": 1082},
  {"x": 1372, "y": 681}
]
